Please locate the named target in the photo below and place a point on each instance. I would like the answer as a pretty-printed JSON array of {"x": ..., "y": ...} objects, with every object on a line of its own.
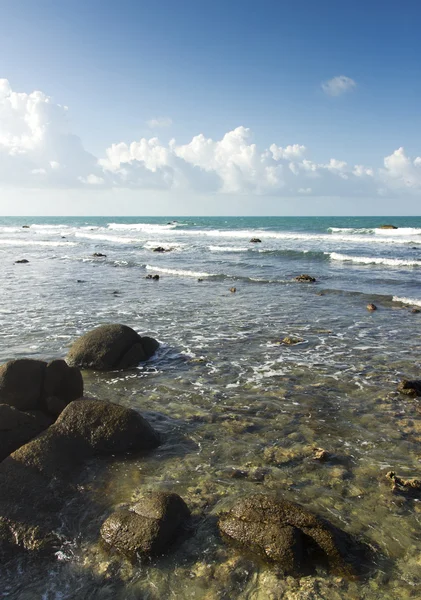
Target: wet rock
[
  {"x": 233, "y": 290},
  {"x": 21, "y": 383},
  {"x": 304, "y": 278},
  {"x": 36, "y": 480},
  {"x": 62, "y": 384},
  {"x": 22, "y": 261},
  {"x": 371, "y": 307},
  {"x": 200, "y": 280},
  {"x": 255, "y": 241},
  {"x": 410, "y": 387},
  {"x": 110, "y": 347},
  {"x": 149, "y": 527},
  {"x": 153, "y": 277},
  {"x": 99, "y": 255},
  {"x": 161, "y": 249},
  {"x": 289, "y": 535},
  {"x": 17, "y": 428},
  {"x": 321, "y": 455},
  {"x": 25, "y": 226},
  {"x": 290, "y": 340},
  {"x": 387, "y": 227},
  {"x": 406, "y": 487},
  {"x": 415, "y": 311}
]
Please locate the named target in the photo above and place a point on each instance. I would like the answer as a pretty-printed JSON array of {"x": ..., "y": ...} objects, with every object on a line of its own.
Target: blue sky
[{"x": 209, "y": 68}]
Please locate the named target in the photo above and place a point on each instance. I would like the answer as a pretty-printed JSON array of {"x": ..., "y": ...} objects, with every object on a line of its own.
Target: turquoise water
[{"x": 226, "y": 394}]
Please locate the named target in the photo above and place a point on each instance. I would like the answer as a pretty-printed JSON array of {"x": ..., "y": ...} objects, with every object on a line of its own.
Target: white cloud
[
  {"x": 159, "y": 122},
  {"x": 338, "y": 85},
  {"x": 37, "y": 150}
]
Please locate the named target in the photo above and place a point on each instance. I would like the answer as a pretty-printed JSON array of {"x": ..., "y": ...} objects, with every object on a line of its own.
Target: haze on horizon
[{"x": 230, "y": 108}]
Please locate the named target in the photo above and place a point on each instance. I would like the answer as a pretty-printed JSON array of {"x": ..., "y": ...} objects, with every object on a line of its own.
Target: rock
[
  {"x": 255, "y": 241},
  {"x": 21, "y": 383},
  {"x": 200, "y": 280},
  {"x": 410, "y": 387},
  {"x": 161, "y": 249},
  {"x": 22, "y": 261},
  {"x": 99, "y": 255},
  {"x": 110, "y": 347},
  {"x": 37, "y": 479},
  {"x": 321, "y": 454},
  {"x": 147, "y": 528},
  {"x": 304, "y": 278},
  {"x": 233, "y": 290},
  {"x": 154, "y": 277},
  {"x": 371, "y": 307},
  {"x": 80, "y": 281},
  {"x": 387, "y": 227},
  {"x": 290, "y": 341},
  {"x": 288, "y": 534},
  {"x": 61, "y": 383},
  {"x": 25, "y": 226},
  {"x": 406, "y": 487},
  {"x": 415, "y": 311},
  {"x": 17, "y": 428}
]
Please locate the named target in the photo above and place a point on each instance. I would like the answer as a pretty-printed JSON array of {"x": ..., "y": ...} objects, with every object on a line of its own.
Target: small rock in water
[
  {"x": 21, "y": 261},
  {"x": 415, "y": 311},
  {"x": 99, "y": 255},
  {"x": 290, "y": 341},
  {"x": 147, "y": 528},
  {"x": 233, "y": 290},
  {"x": 154, "y": 277},
  {"x": 255, "y": 241},
  {"x": 305, "y": 278},
  {"x": 321, "y": 454},
  {"x": 200, "y": 280},
  {"x": 25, "y": 226},
  {"x": 80, "y": 281},
  {"x": 408, "y": 487},
  {"x": 410, "y": 387},
  {"x": 371, "y": 307},
  {"x": 161, "y": 249},
  {"x": 387, "y": 227}
]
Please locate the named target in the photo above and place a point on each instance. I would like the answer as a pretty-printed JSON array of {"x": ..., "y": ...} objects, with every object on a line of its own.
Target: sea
[{"x": 239, "y": 409}]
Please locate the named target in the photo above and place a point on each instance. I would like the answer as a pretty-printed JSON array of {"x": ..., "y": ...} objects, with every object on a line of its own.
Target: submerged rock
[
  {"x": 406, "y": 487},
  {"x": 99, "y": 255},
  {"x": 289, "y": 535},
  {"x": 304, "y": 278},
  {"x": 22, "y": 261},
  {"x": 233, "y": 290},
  {"x": 387, "y": 227},
  {"x": 371, "y": 307},
  {"x": 153, "y": 277},
  {"x": 148, "y": 527},
  {"x": 290, "y": 340},
  {"x": 410, "y": 387},
  {"x": 111, "y": 347}
]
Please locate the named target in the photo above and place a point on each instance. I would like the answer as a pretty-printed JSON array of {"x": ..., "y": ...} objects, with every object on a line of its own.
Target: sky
[{"x": 195, "y": 107}]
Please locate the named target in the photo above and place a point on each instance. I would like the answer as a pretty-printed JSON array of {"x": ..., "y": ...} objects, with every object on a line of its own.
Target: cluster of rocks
[
  {"x": 305, "y": 278},
  {"x": 153, "y": 277}
]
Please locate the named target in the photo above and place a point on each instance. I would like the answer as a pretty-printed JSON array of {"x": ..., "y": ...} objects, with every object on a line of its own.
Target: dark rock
[
  {"x": 21, "y": 383},
  {"x": 233, "y": 290},
  {"x": 22, "y": 261},
  {"x": 99, "y": 255},
  {"x": 154, "y": 277},
  {"x": 36, "y": 480},
  {"x": 150, "y": 346},
  {"x": 80, "y": 281},
  {"x": 304, "y": 278},
  {"x": 161, "y": 249},
  {"x": 406, "y": 487},
  {"x": 255, "y": 241},
  {"x": 107, "y": 347},
  {"x": 291, "y": 341},
  {"x": 147, "y": 528},
  {"x": 200, "y": 280},
  {"x": 371, "y": 307},
  {"x": 410, "y": 387},
  {"x": 415, "y": 311},
  {"x": 25, "y": 226},
  {"x": 17, "y": 428},
  {"x": 61, "y": 383},
  {"x": 288, "y": 534},
  {"x": 387, "y": 227}
]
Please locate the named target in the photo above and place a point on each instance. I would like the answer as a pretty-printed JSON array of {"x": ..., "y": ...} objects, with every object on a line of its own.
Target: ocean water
[{"x": 238, "y": 410}]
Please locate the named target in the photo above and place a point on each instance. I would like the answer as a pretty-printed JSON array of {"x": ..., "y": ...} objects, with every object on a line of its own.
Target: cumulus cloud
[
  {"x": 159, "y": 122},
  {"x": 37, "y": 149},
  {"x": 338, "y": 85}
]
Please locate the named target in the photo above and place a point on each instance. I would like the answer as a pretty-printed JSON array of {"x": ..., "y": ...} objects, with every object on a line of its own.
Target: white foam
[
  {"x": 147, "y": 227},
  {"x": 400, "y": 231},
  {"x": 165, "y": 245},
  {"x": 373, "y": 260},
  {"x": 178, "y": 272},
  {"x": 412, "y": 301},
  {"x": 228, "y": 249},
  {"x": 98, "y": 237},
  {"x": 17, "y": 242}
]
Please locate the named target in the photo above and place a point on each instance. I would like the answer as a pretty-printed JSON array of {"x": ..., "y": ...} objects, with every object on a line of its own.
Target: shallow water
[{"x": 239, "y": 412}]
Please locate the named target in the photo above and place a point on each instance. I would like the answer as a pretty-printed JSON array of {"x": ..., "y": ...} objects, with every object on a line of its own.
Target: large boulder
[
  {"x": 21, "y": 383},
  {"x": 287, "y": 534},
  {"x": 28, "y": 384},
  {"x": 147, "y": 528},
  {"x": 111, "y": 347},
  {"x": 37, "y": 479}
]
